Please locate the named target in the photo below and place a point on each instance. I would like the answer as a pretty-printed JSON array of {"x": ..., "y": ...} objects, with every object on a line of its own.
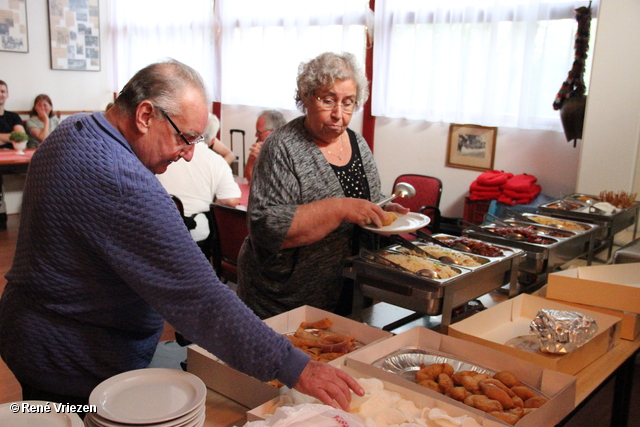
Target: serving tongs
[
  {"x": 421, "y": 252},
  {"x": 519, "y": 216},
  {"x": 499, "y": 221},
  {"x": 456, "y": 246},
  {"x": 372, "y": 256}
]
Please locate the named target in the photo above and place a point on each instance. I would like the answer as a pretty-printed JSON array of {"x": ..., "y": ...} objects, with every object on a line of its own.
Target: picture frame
[
  {"x": 14, "y": 29},
  {"x": 74, "y": 34},
  {"x": 471, "y": 147}
]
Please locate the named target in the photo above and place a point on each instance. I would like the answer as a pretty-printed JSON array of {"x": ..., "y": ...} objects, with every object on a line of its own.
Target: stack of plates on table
[
  {"x": 153, "y": 397},
  {"x": 9, "y": 416}
]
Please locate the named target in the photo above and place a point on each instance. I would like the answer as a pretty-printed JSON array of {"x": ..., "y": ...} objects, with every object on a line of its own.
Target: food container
[
  {"x": 572, "y": 207},
  {"x": 558, "y": 387},
  {"x": 432, "y": 296},
  {"x": 556, "y": 247}
]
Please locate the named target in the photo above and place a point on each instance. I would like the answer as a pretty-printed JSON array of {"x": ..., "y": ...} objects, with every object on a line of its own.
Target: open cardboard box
[
  {"x": 612, "y": 289},
  {"x": 511, "y": 319},
  {"x": 251, "y": 392},
  {"x": 421, "y": 400},
  {"x": 559, "y": 387}
]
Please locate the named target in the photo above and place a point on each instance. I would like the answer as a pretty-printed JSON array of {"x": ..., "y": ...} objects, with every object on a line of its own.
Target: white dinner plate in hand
[
  {"x": 406, "y": 223},
  {"x": 25, "y": 419},
  {"x": 147, "y": 396}
]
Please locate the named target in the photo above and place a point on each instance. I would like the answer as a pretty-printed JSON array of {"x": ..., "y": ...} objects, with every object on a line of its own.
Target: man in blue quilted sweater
[{"x": 103, "y": 256}]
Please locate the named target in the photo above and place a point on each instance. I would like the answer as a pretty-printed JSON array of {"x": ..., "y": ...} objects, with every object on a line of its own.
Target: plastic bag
[{"x": 309, "y": 415}]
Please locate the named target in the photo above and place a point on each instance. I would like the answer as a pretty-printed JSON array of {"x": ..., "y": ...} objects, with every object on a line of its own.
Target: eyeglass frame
[
  {"x": 331, "y": 101},
  {"x": 178, "y": 131}
]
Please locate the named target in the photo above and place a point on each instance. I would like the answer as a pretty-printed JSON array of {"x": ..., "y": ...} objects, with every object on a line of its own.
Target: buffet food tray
[
  {"x": 558, "y": 248},
  {"x": 433, "y": 296},
  {"x": 571, "y": 207}
]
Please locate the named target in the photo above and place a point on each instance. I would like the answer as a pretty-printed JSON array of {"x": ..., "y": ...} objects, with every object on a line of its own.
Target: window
[{"x": 492, "y": 62}]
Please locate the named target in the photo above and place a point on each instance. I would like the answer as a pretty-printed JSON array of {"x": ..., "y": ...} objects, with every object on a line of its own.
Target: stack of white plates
[
  {"x": 153, "y": 397},
  {"x": 10, "y": 417}
]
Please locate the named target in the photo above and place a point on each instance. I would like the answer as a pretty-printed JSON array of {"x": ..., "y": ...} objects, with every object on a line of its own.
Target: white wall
[
  {"x": 612, "y": 124},
  {"x": 30, "y": 74}
]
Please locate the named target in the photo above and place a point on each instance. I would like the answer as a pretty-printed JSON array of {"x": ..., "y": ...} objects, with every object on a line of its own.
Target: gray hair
[
  {"x": 324, "y": 70},
  {"x": 213, "y": 126},
  {"x": 162, "y": 83},
  {"x": 273, "y": 119}
]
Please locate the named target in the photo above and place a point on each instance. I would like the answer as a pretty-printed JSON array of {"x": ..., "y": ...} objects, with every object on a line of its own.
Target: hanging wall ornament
[{"x": 571, "y": 99}]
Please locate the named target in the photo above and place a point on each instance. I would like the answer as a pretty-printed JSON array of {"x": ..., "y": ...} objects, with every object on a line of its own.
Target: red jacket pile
[{"x": 504, "y": 187}]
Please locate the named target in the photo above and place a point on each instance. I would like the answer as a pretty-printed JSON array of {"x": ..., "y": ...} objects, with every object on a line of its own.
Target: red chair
[
  {"x": 427, "y": 198},
  {"x": 230, "y": 231}
]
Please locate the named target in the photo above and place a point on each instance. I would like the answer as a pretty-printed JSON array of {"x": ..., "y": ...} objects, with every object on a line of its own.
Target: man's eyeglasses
[
  {"x": 178, "y": 131},
  {"x": 328, "y": 104}
]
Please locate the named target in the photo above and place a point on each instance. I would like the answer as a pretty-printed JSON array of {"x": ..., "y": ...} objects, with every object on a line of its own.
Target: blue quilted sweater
[{"x": 102, "y": 257}]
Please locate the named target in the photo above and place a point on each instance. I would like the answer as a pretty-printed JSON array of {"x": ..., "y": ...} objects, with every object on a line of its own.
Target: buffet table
[
  {"x": 617, "y": 363},
  {"x": 11, "y": 163}
]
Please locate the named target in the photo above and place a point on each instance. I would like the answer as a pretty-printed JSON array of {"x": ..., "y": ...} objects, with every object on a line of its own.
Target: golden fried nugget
[
  {"x": 391, "y": 216},
  {"x": 444, "y": 381},
  {"x": 496, "y": 393},
  {"x": 535, "y": 402},
  {"x": 506, "y": 417},
  {"x": 458, "y": 393},
  {"x": 431, "y": 385},
  {"x": 430, "y": 372},
  {"x": 507, "y": 378},
  {"x": 499, "y": 384},
  {"x": 524, "y": 393},
  {"x": 325, "y": 323}
]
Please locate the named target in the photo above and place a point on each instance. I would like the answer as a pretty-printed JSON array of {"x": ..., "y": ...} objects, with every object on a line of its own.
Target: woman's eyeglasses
[{"x": 328, "y": 104}]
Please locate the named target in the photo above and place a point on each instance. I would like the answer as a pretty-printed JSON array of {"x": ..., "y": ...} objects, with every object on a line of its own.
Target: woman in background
[{"x": 41, "y": 121}]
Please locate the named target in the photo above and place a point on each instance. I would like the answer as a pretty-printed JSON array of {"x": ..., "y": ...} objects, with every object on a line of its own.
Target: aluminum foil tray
[{"x": 406, "y": 361}]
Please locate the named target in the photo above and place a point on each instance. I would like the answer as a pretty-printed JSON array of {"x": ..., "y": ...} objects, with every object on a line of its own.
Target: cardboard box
[
  {"x": 630, "y": 327},
  {"x": 559, "y": 387},
  {"x": 251, "y": 392},
  {"x": 421, "y": 400},
  {"x": 609, "y": 286},
  {"x": 511, "y": 319}
]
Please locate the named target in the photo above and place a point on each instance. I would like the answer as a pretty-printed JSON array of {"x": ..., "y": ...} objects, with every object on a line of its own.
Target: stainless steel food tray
[
  {"x": 543, "y": 258},
  {"x": 433, "y": 297}
]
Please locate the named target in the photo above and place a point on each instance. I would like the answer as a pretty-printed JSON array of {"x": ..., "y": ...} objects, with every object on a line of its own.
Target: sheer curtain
[
  {"x": 489, "y": 62},
  {"x": 263, "y": 42},
  {"x": 145, "y": 31}
]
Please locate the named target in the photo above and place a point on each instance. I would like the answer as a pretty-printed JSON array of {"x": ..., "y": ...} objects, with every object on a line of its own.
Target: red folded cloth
[
  {"x": 515, "y": 198},
  {"x": 520, "y": 183},
  {"x": 484, "y": 195},
  {"x": 493, "y": 178},
  {"x": 535, "y": 190},
  {"x": 476, "y": 186}
]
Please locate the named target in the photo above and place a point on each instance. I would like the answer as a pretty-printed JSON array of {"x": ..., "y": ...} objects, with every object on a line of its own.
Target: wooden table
[
  {"x": 11, "y": 163},
  {"x": 617, "y": 363}
]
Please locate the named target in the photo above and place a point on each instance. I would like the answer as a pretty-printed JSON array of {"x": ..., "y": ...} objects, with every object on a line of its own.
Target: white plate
[
  {"x": 148, "y": 396},
  {"x": 23, "y": 419},
  {"x": 95, "y": 420},
  {"x": 404, "y": 224}
]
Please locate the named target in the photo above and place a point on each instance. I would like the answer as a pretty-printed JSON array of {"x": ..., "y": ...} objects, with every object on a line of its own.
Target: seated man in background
[
  {"x": 207, "y": 177},
  {"x": 213, "y": 125},
  {"x": 267, "y": 122},
  {"x": 9, "y": 121}
]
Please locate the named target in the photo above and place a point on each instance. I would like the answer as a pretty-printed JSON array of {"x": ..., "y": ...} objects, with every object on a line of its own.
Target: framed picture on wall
[
  {"x": 74, "y": 33},
  {"x": 14, "y": 34},
  {"x": 471, "y": 147}
]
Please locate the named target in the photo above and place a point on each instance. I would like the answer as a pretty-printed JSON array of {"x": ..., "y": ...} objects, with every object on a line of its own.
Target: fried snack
[
  {"x": 458, "y": 393},
  {"x": 507, "y": 378},
  {"x": 444, "y": 381},
  {"x": 482, "y": 402},
  {"x": 457, "y": 377},
  {"x": 430, "y": 372},
  {"x": 391, "y": 216},
  {"x": 325, "y": 323},
  {"x": 498, "y": 384},
  {"x": 517, "y": 402},
  {"x": 524, "y": 393},
  {"x": 506, "y": 417},
  {"x": 496, "y": 393},
  {"x": 431, "y": 385},
  {"x": 535, "y": 402},
  {"x": 470, "y": 384}
]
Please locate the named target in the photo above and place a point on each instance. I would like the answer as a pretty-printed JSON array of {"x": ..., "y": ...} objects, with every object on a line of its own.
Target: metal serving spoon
[
  {"x": 417, "y": 249},
  {"x": 456, "y": 245},
  {"x": 402, "y": 189}
]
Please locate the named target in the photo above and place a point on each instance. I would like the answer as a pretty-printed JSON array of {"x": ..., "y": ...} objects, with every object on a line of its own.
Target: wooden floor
[{"x": 596, "y": 413}]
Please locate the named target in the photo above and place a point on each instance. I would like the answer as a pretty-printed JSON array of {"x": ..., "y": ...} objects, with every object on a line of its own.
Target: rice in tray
[{"x": 415, "y": 264}]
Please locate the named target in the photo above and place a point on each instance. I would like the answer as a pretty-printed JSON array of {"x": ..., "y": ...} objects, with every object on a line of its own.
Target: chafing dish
[
  {"x": 579, "y": 207},
  {"x": 385, "y": 282},
  {"x": 552, "y": 248}
]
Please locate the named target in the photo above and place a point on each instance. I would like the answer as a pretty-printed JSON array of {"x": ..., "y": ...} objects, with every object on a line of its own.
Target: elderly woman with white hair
[{"x": 313, "y": 181}]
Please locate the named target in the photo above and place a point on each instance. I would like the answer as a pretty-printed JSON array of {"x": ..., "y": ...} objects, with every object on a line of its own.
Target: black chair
[{"x": 230, "y": 231}]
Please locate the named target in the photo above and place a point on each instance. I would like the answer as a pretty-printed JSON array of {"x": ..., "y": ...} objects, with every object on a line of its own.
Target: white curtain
[
  {"x": 264, "y": 42},
  {"x": 147, "y": 31},
  {"x": 488, "y": 62}
]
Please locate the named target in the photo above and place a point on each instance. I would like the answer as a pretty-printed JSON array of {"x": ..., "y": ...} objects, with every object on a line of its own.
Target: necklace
[{"x": 339, "y": 156}]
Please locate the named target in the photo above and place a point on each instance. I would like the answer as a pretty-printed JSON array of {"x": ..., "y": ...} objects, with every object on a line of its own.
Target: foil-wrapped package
[{"x": 562, "y": 332}]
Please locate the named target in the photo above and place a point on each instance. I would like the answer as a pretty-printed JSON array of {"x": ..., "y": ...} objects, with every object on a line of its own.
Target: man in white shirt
[{"x": 207, "y": 177}]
